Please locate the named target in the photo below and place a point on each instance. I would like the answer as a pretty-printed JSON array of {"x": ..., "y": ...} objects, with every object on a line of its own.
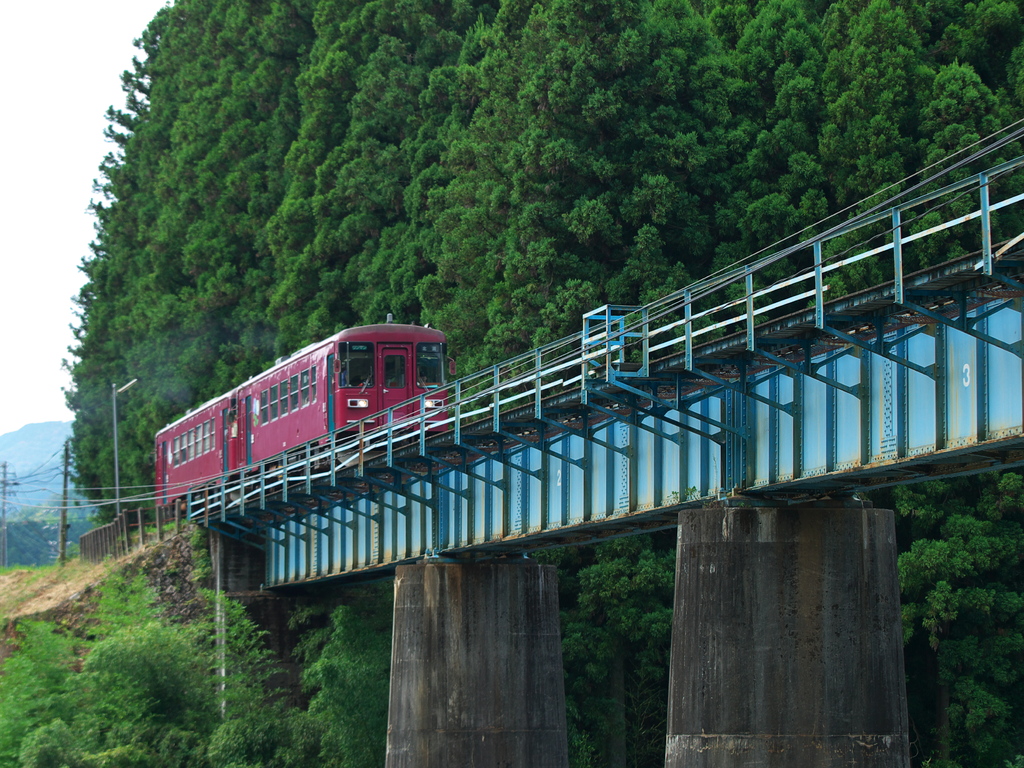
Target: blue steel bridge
[{"x": 741, "y": 384}]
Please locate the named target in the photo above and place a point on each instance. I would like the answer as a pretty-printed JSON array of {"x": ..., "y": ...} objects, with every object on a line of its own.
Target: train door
[
  {"x": 246, "y": 430},
  {"x": 396, "y": 376},
  {"x": 164, "y": 461},
  {"x": 232, "y": 443},
  {"x": 224, "y": 443},
  {"x": 329, "y": 389}
]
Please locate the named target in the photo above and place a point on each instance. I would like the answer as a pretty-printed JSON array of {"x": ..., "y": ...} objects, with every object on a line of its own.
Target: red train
[{"x": 327, "y": 386}]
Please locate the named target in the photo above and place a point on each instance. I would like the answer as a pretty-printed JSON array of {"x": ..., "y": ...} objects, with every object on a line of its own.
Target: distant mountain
[
  {"x": 34, "y": 446},
  {"x": 35, "y": 465}
]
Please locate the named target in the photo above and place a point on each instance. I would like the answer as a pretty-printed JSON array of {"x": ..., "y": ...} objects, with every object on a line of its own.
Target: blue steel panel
[
  {"x": 518, "y": 494},
  {"x": 299, "y": 561},
  {"x": 962, "y": 371},
  {"x": 535, "y": 461},
  {"x": 622, "y": 462},
  {"x": 846, "y": 418},
  {"x": 815, "y": 428},
  {"x": 785, "y": 426},
  {"x": 388, "y": 507},
  {"x": 1003, "y": 407},
  {"x": 646, "y": 471},
  {"x": 704, "y": 458},
  {"x": 602, "y": 474},
  {"x": 920, "y": 395},
  {"x": 762, "y": 452},
  {"x": 881, "y": 427},
  {"x": 480, "y": 495},
  {"x": 673, "y": 486},
  {"x": 321, "y": 567},
  {"x": 371, "y": 535},
  {"x": 463, "y": 506}
]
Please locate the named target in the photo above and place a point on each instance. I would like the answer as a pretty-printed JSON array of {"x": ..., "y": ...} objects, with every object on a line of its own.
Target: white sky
[{"x": 61, "y": 63}]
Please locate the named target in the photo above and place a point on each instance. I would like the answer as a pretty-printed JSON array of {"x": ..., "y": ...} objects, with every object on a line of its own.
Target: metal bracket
[
  {"x": 806, "y": 371},
  {"x": 878, "y": 349},
  {"x": 501, "y": 484},
  {"x": 716, "y": 438},
  {"x": 540, "y": 446},
  {"x": 786, "y": 408},
  {"x": 965, "y": 327}
]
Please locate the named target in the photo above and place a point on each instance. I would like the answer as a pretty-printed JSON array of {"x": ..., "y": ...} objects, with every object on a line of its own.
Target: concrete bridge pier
[
  {"x": 787, "y": 644},
  {"x": 476, "y": 667}
]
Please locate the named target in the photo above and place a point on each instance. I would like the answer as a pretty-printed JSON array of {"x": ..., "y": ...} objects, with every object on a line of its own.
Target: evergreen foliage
[
  {"x": 348, "y": 668},
  {"x": 963, "y": 614},
  {"x": 285, "y": 168}
]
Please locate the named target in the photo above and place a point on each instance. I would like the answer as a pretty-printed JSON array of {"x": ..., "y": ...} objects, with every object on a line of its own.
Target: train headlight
[
  {"x": 434, "y": 403},
  {"x": 358, "y": 402}
]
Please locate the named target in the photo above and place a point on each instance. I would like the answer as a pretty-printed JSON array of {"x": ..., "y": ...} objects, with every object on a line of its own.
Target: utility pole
[
  {"x": 62, "y": 536},
  {"x": 117, "y": 468},
  {"x": 3, "y": 515},
  {"x": 114, "y": 392}
]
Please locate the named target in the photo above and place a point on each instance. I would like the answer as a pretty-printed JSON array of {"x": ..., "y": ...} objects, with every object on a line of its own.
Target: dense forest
[{"x": 285, "y": 168}]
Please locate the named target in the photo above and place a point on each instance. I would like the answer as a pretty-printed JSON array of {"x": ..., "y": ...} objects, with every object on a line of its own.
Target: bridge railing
[
  {"x": 616, "y": 342},
  {"x": 128, "y": 532},
  {"x": 684, "y": 318}
]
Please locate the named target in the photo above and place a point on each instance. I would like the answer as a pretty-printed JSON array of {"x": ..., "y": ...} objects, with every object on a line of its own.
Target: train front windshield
[
  {"x": 429, "y": 365},
  {"x": 357, "y": 364}
]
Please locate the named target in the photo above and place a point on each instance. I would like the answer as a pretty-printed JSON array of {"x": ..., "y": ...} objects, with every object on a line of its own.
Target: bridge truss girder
[{"x": 598, "y": 436}]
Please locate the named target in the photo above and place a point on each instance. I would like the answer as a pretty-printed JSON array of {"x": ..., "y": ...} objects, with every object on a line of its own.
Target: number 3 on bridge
[{"x": 967, "y": 374}]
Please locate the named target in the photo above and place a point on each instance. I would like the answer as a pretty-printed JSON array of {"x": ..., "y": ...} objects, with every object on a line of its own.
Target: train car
[
  {"x": 191, "y": 450},
  {"x": 328, "y": 386}
]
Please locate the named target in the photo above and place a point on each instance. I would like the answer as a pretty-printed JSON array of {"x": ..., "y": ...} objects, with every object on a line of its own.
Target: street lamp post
[{"x": 114, "y": 392}]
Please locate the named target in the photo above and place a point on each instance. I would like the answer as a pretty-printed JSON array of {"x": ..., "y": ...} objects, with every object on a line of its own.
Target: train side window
[
  {"x": 209, "y": 435},
  {"x": 284, "y": 398},
  {"x": 394, "y": 371},
  {"x": 264, "y": 408},
  {"x": 191, "y": 452},
  {"x": 429, "y": 365},
  {"x": 312, "y": 384},
  {"x": 357, "y": 364},
  {"x": 206, "y": 438},
  {"x": 273, "y": 402},
  {"x": 174, "y": 451},
  {"x": 295, "y": 392},
  {"x": 304, "y": 386}
]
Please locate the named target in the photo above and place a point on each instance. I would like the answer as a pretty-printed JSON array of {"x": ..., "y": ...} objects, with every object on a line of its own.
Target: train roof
[{"x": 379, "y": 331}]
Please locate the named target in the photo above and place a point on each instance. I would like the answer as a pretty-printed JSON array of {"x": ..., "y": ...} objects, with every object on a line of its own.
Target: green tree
[
  {"x": 586, "y": 170},
  {"x": 963, "y": 614},
  {"x": 176, "y": 287},
  {"x": 33, "y": 686},
  {"x": 617, "y": 601},
  {"x": 348, "y": 662}
]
